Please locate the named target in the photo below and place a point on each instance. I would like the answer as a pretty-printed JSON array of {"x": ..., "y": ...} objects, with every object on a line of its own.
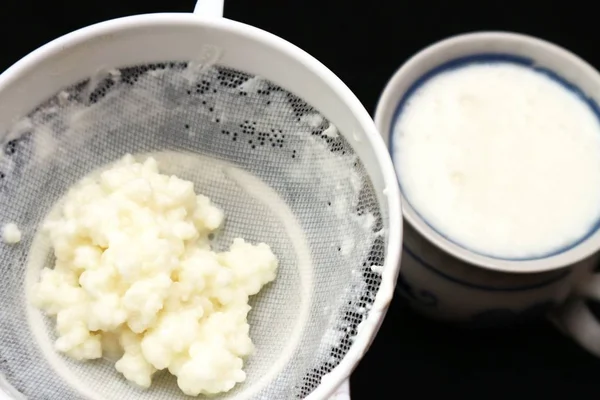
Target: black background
[{"x": 364, "y": 43}]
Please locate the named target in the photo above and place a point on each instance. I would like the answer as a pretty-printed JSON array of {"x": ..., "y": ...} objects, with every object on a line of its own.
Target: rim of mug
[{"x": 385, "y": 115}]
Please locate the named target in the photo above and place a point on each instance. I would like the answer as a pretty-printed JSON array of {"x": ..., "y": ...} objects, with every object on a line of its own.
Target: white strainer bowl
[{"x": 273, "y": 137}]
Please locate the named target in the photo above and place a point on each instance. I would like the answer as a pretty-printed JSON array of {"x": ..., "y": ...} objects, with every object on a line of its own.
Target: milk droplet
[{"x": 378, "y": 269}]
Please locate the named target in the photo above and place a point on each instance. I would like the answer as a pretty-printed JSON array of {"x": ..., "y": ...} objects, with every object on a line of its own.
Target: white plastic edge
[
  {"x": 209, "y": 8},
  {"x": 7, "y": 393},
  {"x": 339, "y": 375},
  {"x": 342, "y": 392}
]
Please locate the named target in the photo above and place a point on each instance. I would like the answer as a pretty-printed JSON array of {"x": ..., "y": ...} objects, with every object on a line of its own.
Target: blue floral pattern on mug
[
  {"x": 422, "y": 297},
  {"x": 503, "y": 316}
]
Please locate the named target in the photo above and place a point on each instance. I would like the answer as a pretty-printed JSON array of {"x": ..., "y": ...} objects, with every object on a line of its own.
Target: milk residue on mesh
[{"x": 311, "y": 176}]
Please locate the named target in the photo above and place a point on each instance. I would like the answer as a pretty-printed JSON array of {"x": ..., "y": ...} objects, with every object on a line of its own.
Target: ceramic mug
[{"x": 445, "y": 281}]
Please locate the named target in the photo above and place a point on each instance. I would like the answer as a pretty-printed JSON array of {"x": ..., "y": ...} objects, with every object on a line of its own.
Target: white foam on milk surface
[{"x": 501, "y": 159}]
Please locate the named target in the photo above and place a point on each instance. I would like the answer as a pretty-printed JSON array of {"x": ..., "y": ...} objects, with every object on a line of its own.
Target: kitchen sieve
[{"x": 273, "y": 137}]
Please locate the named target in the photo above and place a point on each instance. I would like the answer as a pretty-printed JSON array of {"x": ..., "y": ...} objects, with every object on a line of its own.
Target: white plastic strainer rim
[{"x": 391, "y": 196}]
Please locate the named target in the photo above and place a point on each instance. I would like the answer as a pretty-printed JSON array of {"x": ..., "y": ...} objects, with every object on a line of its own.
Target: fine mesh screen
[{"x": 280, "y": 171}]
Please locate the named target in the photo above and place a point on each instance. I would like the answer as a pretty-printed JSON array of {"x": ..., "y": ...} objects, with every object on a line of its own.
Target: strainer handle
[{"x": 212, "y": 8}]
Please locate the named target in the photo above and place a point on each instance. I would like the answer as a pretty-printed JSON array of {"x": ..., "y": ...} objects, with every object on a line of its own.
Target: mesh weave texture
[{"x": 280, "y": 171}]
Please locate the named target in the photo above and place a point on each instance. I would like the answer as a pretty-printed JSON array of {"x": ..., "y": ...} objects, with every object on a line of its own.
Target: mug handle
[{"x": 575, "y": 319}]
